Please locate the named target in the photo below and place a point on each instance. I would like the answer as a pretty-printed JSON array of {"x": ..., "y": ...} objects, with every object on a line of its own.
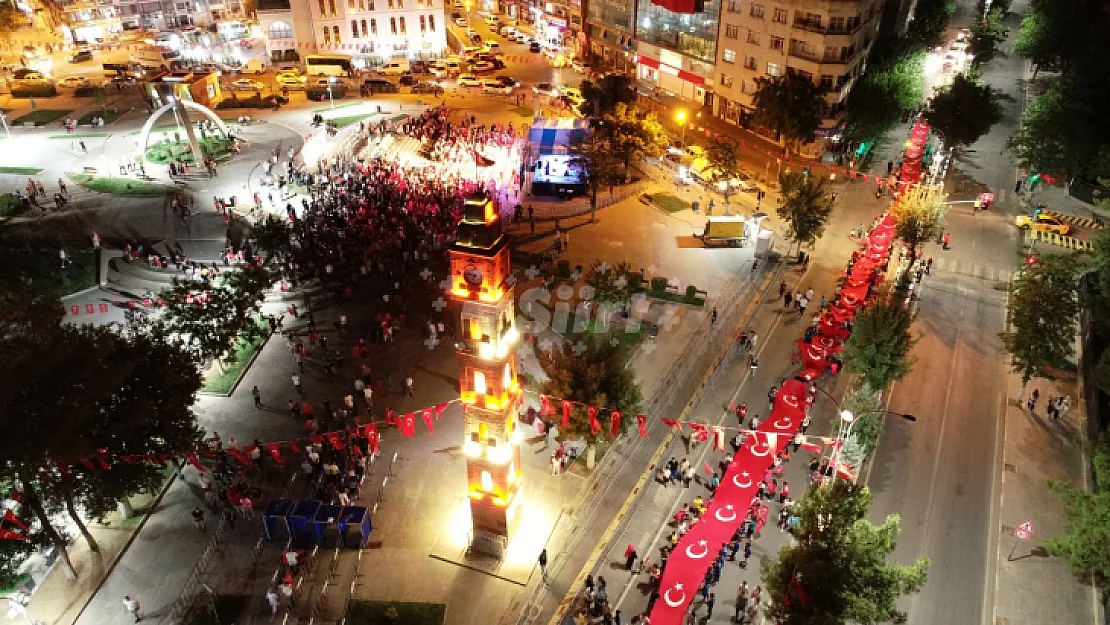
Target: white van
[
  {"x": 469, "y": 51},
  {"x": 508, "y": 32},
  {"x": 491, "y": 20},
  {"x": 493, "y": 47},
  {"x": 395, "y": 67},
  {"x": 454, "y": 66}
]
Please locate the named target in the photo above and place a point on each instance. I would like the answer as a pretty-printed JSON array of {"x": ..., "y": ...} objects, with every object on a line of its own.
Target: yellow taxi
[{"x": 1043, "y": 223}]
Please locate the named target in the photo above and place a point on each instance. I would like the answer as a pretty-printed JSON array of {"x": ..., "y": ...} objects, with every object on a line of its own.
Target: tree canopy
[
  {"x": 805, "y": 204},
  {"x": 837, "y": 572},
  {"x": 1064, "y": 131},
  {"x": 919, "y": 216},
  {"x": 611, "y": 284},
  {"x": 604, "y": 95},
  {"x": 986, "y": 35},
  {"x": 963, "y": 111},
  {"x": 723, "y": 157},
  {"x": 1085, "y": 543},
  {"x": 1042, "y": 314},
  {"x": 595, "y": 155},
  {"x": 272, "y": 234},
  {"x": 894, "y": 82},
  {"x": 880, "y": 344},
  {"x": 633, "y": 134},
  {"x": 791, "y": 105}
]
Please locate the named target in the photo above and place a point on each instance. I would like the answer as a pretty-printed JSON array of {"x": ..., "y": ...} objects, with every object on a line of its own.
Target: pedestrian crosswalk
[{"x": 975, "y": 270}]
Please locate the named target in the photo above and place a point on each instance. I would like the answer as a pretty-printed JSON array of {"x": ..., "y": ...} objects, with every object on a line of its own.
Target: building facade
[
  {"x": 374, "y": 31},
  {"x": 284, "y": 23},
  {"x": 826, "y": 41},
  {"x": 610, "y": 35}
]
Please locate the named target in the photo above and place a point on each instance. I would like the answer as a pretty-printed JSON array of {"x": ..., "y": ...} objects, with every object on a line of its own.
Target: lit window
[
  {"x": 322, "y": 5},
  {"x": 479, "y": 383},
  {"x": 403, "y": 31},
  {"x": 487, "y": 481},
  {"x": 350, "y": 5},
  {"x": 327, "y": 35},
  {"x": 393, "y": 25},
  {"x": 331, "y": 6},
  {"x": 373, "y": 27},
  {"x": 779, "y": 16},
  {"x": 757, "y": 11},
  {"x": 423, "y": 25},
  {"x": 773, "y": 69},
  {"x": 726, "y": 80},
  {"x": 363, "y": 28},
  {"x": 729, "y": 56},
  {"x": 335, "y": 31},
  {"x": 354, "y": 28},
  {"x": 431, "y": 23}
]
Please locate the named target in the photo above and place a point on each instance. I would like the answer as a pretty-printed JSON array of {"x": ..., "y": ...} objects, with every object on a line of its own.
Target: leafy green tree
[
  {"x": 210, "y": 316},
  {"x": 791, "y": 105},
  {"x": 919, "y": 217},
  {"x": 930, "y": 22},
  {"x": 1063, "y": 131},
  {"x": 1056, "y": 34},
  {"x": 893, "y": 82},
  {"x": 837, "y": 571},
  {"x": 1085, "y": 543},
  {"x": 594, "y": 154},
  {"x": 986, "y": 35},
  {"x": 723, "y": 157},
  {"x": 1102, "y": 372},
  {"x": 604, "y": 95},
  {"x": 880, "y": 345},
  {"x": 963, "y": 111},
  {"x": 612, "y": 285},
  {"x": 592, "y": 373},
  {"x": 865, "y": 404},
  {"x": 272, "y": 234},
  {"x": 633, "y": 134},
  {"x": 1042, "y": 314},
  {"x": 805, "y": 204}
]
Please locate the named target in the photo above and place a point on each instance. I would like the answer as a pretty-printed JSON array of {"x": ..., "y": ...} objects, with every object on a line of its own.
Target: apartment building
[
  {"x": 373, "y": 31},
  {"x": 826, "y": 41},
  {"x": 610, "y": 35}
]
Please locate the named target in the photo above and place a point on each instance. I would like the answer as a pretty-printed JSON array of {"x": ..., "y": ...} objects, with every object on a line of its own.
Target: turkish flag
[
  {"x": 293, "y": 446},
  {"x": 238, "y": 455},
  {"x": 641, "y": 421},
  {"x": 708, "y": 469},
  {"x": 545, "y": 406},
  {"x": 275, "y": 452},
  {"x": 191, "y": 456},
  {"x": 130, "y": 459},
  {"x": 595, "y": 427},
  {"x": 333, "y": 438},
  {"x": 813, "y": 447},
  {"x": 672, "y": 423},
  {"x": 440, "y": 408},
  {"x": 88, "y": 463},
  {"x": 408, "y": 425},
  {"x": 700, "y": 431},
  {"x": 103, "y": 457},
  {"x": 374, "y": 438},
  {"x": 566, "y": 412},
  {"x": 718, "y": 439},
  {"x": 614, "y": 423},
  {"x": 427, "y": 414}
]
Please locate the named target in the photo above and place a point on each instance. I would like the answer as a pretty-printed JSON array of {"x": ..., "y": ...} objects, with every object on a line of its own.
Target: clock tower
[{"x": 490, "y": 393}]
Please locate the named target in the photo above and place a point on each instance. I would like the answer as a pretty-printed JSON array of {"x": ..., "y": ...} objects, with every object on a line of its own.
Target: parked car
[
  {"x": 508, "y": 81},
  {"x": 425, "y": 87},
  {"x": 1042, "y": 223},
  {"x": 81, "y": 56},
  {"x": 469, "y": 80},
  {"x": 290, "y": 80},
  {"x": 439, "y": 71},
  {"x": 407, "y": 80},
  {"x": 546, "y": 88},
  {"x": 461, "y": 22},
  {"x": 379, "y": 85},
  {"x": 483, "y": 67},
  {"x": 534, "y": 47},
  {"x": 246, "y": 84},
  {"x": 73, "y": 82},
  {"x": 520, "y": 37},
  {"x": 492, "y": 85},
  {"x": 508, "y": 32}
]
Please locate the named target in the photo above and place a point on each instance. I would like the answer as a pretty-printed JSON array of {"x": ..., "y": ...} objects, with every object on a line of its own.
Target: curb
[{"x": 243, "y": 374}]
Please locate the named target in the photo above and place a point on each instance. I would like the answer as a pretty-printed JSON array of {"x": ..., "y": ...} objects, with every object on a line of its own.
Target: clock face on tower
[{"x": 473, "y": 276}]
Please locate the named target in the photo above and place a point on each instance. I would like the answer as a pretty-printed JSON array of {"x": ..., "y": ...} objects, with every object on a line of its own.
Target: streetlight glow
[{"x": 847, "y": 416}]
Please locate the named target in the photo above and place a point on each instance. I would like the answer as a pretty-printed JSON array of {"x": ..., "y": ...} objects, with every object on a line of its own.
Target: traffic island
[
  {"x": 395, "y": 613},
  {"x": 41, "y": 117},
  {"x": 178, "y": 151},
  {"x": 222, "y": 382},
  {"x": 122, "y": 186}
]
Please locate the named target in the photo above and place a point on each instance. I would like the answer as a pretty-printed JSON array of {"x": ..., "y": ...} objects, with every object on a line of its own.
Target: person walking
[
  {"x": 408, "y": 385},
  {"x": 543, "y": 563},
  {"x": 132, "y": 606},
  {"x": 741, "y": 600},
  {"x": 297, "y": 384},
  {"x": 1031, "y": 404},
  {"x": 713, "y": 316},
  {"x": 786, "y": 299},
  {"x": 272, "y": 599},
  {"x": 629, "y": 557},
  {"x": 747, "y": 554},
  {"x": 709, "y": 605},
  {"x": 257, "y": 395},
  {"x": 198, "y": 518}
]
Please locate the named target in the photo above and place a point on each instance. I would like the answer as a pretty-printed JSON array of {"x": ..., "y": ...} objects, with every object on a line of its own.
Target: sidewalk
[{"x": 1031, "y": 586}]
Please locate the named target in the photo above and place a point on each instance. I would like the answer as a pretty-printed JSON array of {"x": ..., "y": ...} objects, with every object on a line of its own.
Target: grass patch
[
  {"x": 168, "y": 150},
  {"x": 678, "y": 298},
  {"x": 394, "y": 613},
  {"x": 41, "y": 117},
  {"x": 34, "y": 261},
  {"x": 343, "y": 122},
  {"x": 325, "y": 109},
  {"x": 602, "y": 447},
  {"x": 109, "y": 115},
  {"x": 669, "y": 202},
  {"x": 524, "y": 111},
  {"x": 13, "y": 588},
  {"x": 20, "y": 171},
  {"x": 122, "y": 186},
  {"x": 221, "y": 382},
  {"x": 228, "y": 610},
  {"x": 80, "y": 135},
  {"x": 10, "y": 206}
]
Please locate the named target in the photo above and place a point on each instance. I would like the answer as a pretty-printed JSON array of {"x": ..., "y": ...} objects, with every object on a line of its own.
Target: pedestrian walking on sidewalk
[
  {"x": 709, "y": 605},
  {"x": 629, "y": 557},
  {"x": 132, "y": 606},
  {"x": 272, "y": 599},
  {"x": 747, "y": 554},
  {"x": 741, "y": 601},
  {"x": 408, "y": 385},
  {"x": 1031, "y": 404},
  {"x": 786, "y": 299},
  {"x": 198, "y": 518},
  {"x": 257, "y": 395},
  {"x": 782, "y": 288},
  {"x": 713, "y": 316},
  {"x": 543, "y": 563},
  {"x": 297, "y": 384}
]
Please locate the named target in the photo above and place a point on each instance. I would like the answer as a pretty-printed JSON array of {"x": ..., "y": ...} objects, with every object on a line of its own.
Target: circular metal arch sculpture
[{"x": 144, "y": 134}]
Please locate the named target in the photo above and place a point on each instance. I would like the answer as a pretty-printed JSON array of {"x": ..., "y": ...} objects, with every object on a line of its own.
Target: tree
[
  {"x": 1085, "y": 543},
  {"x": 1055, "y": 34},
  {"x": 1063, "y": 132},
  {"x": 272, "y": 234},
  {"x": 1042, "y": 314},
  {"x": 919, "y": 217},
  {"x": 1102, "y": 372},
  {"x": 210, "y": 316},
  {"x": 930, "y": 22},
  {"x": 594, "y": 154},
  {"x": 986, "y": 34},
  {"x": 879, "y": 348},
  {"x": 1034, "y": 43},
  {"x": 805, "y": 205},
  {"x": 963, "y": 111},
  {"x": 723, "y": 157},
  {"x": 633, "y": 134},
  {"x": 592, "y": 373},
  {"x": 791, "y": 105},
  {"x": 865, "y": 404},
  {"x": 612, "y": 285},
  {"x": 604, "y": 95},
  {"x": 837, "y": 571},
  {"x": 893, "y": 83}
]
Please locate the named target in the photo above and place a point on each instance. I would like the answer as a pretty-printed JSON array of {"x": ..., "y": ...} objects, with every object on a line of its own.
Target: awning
[{"x": 555, "y": 136}]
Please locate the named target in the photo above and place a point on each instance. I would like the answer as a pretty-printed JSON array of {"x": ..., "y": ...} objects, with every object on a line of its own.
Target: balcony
[
  {"x": 815, "y": 26},
  {"x": 841, "y": 57}
]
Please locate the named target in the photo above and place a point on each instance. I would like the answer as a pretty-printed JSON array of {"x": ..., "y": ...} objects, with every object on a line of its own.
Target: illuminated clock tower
[{"x": 490, "y": 393}]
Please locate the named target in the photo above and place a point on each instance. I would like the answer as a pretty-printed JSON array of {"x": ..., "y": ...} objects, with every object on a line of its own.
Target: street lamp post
[
  {"x": 4, "y": 119},
  {"x": 680, "y": 117}
]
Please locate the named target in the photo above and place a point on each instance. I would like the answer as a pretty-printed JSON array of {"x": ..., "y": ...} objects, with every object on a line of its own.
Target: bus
[{"x": 327, "y": 64}]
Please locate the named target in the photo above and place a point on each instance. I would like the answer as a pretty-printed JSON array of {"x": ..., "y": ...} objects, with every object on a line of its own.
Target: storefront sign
[{"x": 557, "y": 22}]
